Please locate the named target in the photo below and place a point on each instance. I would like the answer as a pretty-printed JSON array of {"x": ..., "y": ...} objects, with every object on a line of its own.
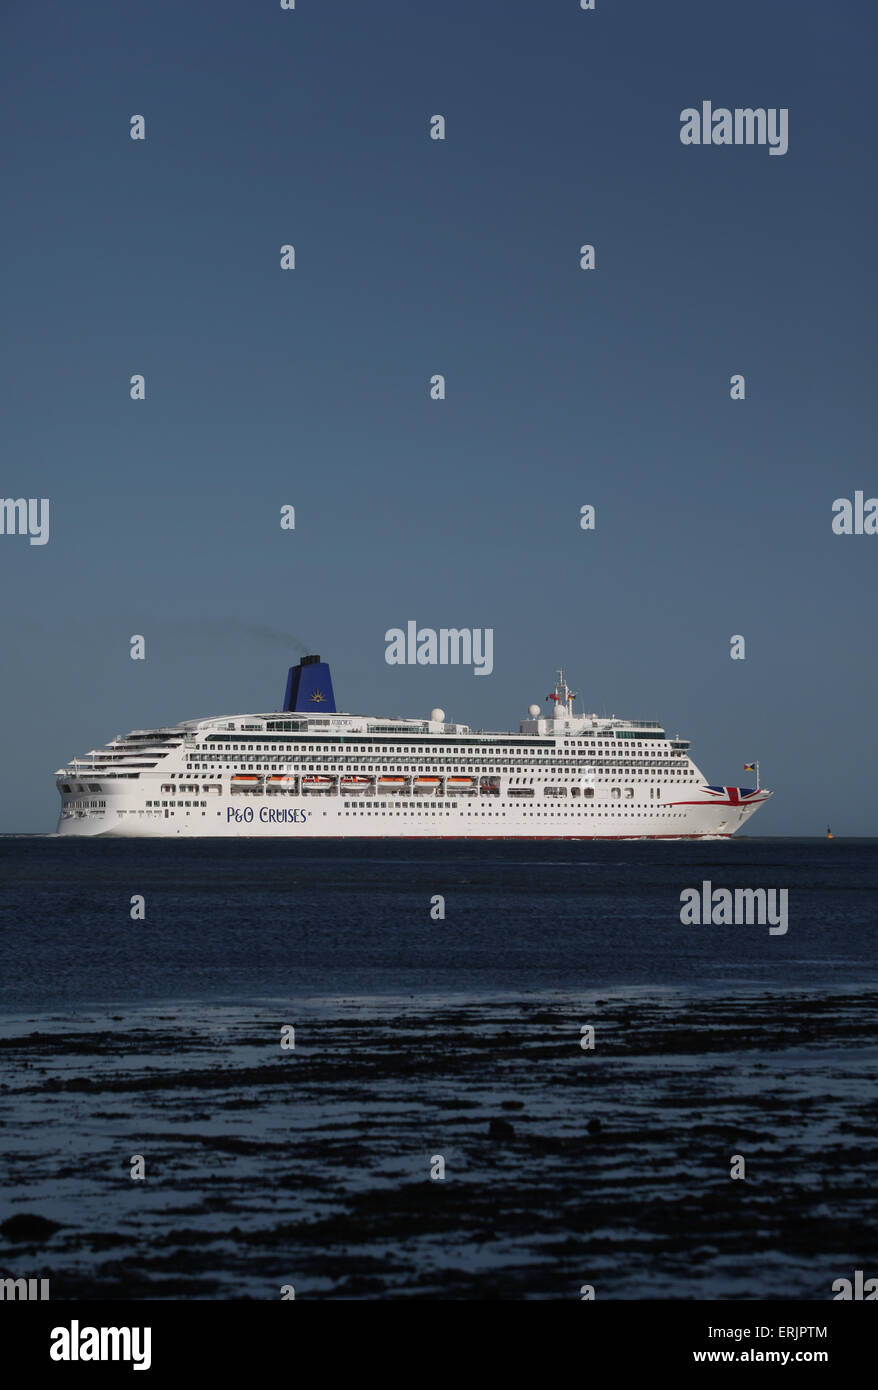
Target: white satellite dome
[
  {"x": 438, "y": 715},
  {"x": 533, "y": 711}
]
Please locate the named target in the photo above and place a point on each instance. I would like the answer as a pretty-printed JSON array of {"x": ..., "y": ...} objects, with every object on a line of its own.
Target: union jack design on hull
[{"x": 728, "y": 796}]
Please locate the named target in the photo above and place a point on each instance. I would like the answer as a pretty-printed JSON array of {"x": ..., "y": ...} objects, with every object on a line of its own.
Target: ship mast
[{"x": 565, "y": 695}]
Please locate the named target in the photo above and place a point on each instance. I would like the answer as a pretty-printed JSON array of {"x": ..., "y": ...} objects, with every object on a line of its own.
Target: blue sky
[{"x": 414, "y": 256}]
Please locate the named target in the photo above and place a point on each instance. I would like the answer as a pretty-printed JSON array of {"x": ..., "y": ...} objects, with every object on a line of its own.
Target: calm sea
[{"x": 245, "y": 919}]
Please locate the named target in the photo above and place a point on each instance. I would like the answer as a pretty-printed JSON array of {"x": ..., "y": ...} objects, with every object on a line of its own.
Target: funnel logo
[{"x": 318, "y": 697}]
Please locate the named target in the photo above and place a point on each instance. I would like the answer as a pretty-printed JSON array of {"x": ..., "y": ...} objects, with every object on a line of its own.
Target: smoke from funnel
[{"x": 224, "y": 628}]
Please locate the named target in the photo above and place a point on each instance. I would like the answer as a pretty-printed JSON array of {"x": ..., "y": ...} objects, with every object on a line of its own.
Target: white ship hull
[
  {"x": 308, "y": 772},
  {"x": 471, "y": 823}
]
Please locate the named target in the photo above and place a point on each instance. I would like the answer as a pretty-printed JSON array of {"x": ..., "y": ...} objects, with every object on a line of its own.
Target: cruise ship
[{"x": 307, "y": 770}]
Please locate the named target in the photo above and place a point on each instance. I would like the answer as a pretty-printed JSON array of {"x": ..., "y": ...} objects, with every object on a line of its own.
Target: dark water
[
  {"x": 239, "y": 920},
  {"x": 418, "y": 1039}
]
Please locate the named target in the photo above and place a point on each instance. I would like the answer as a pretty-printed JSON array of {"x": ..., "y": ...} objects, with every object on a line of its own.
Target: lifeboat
[
  {"x": 391, "y": 781},
  {"x": 356, "y": 781},
  {"x": 242, "y": 780},
  {"x": 279, "y": 783},
  {"x": 317, "y": 782},
  {"x": 460, "y": 781},
  {"x": 427, "y": 781}
]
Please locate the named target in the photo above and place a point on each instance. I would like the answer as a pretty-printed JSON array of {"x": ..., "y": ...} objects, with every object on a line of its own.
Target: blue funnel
[{"x": 309, "y": 687}]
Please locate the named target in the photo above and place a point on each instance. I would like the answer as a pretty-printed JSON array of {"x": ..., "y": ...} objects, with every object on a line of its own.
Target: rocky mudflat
[{"x": 311, "y": 1166}]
